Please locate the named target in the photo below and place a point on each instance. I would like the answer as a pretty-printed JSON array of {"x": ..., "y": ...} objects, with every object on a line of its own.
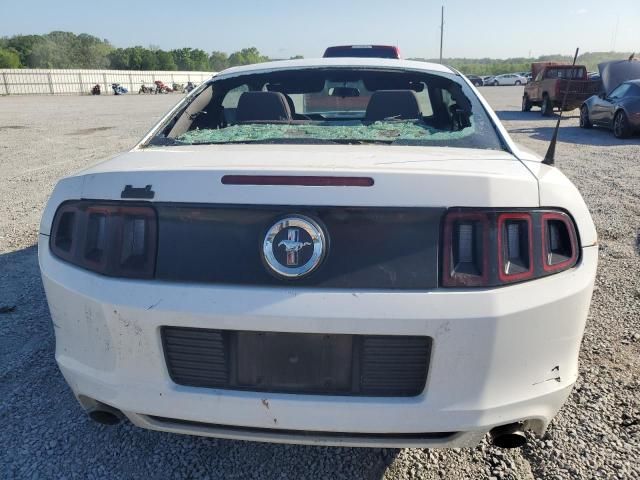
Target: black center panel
[
  {"x": 301, "y": 363},
  {"x": 367, "y": 247}
]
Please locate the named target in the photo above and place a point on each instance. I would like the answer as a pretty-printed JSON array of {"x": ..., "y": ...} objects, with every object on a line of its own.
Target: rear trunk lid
[
  {"x": 402, "y": 176},
  {"x": 382, "y": 235}
]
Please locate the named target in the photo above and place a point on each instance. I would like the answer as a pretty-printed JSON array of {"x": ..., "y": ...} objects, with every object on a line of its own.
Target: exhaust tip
[
  {"x": 508, "y": 436},
  {"x": 104, "y": 417},
  {"x": 100, "y": 412}
]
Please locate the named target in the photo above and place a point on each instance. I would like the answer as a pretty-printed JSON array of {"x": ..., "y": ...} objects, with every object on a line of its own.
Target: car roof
[{"x": 333, "y": 62}]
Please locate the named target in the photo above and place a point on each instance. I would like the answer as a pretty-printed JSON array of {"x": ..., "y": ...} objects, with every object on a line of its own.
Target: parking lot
[{"x": 45, "y": 434}]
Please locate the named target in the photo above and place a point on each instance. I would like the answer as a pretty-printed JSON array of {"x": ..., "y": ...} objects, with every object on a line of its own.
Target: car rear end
[{"x": 447, "y": 298}]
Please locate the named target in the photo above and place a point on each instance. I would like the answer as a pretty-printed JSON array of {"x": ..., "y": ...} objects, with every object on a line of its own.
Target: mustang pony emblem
[{"x": 292, "y": 246}]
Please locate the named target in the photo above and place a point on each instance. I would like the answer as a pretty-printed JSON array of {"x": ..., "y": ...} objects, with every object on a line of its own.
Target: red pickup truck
[{"x": 549, "y": 84}]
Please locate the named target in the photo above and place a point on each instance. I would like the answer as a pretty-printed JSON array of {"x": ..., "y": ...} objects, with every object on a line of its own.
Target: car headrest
[
  {"x": 258, "y": 106},
  {"x": 393, "y": 104}
]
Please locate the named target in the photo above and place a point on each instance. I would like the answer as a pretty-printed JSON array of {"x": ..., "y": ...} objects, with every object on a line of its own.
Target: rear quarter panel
[
  {"x": 632, "y": 109},
  {"x": 65, "y": 189},
  {"x": 557, "y": 191}
]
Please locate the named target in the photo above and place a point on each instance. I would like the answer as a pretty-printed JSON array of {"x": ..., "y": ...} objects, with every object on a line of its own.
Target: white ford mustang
[{"x": 339, "y": 251}]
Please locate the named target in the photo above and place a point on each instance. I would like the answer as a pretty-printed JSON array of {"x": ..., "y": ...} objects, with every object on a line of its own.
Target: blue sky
[{"x": 282, "y": 28}]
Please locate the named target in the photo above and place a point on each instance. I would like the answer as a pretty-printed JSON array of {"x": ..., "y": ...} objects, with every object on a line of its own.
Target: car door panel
[
  {"x": 608, "y": 112},
  {"x": 598, "y": 110},
  {"x": 608, "y": 106}
]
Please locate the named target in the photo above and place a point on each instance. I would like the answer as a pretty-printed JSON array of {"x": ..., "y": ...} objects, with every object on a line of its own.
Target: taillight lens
[
  {"x": 515, "y": 247},
  {"x": 558, "y": 242},
  {"x": 114, "y": 239},
  {"x": 483, "y": 248},
  {"x": 466, "y": 260}
]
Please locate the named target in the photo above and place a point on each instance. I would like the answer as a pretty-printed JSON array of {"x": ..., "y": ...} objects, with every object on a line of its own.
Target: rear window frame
[{"x": 505, "y": 145}]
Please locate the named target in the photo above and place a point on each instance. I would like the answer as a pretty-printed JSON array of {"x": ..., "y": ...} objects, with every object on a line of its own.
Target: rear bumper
[
  {"x": 499, "y": 355},
  {"x": 274, "y": 435}
]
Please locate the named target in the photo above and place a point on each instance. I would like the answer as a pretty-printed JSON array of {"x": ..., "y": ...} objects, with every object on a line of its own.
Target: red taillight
[
  {"x": 484, "y": 248},
  {"x": 112, "y": 239}
]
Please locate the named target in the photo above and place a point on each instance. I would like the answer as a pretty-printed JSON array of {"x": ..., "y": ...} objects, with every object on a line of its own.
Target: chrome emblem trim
[{"x": 294, "y": 236}]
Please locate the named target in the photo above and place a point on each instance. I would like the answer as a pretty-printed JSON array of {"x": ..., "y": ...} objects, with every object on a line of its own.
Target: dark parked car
[
  {"x": 619, "y": 110},
  {"x": 476, "y": 80},
  {"x": 618, "y": 106}
]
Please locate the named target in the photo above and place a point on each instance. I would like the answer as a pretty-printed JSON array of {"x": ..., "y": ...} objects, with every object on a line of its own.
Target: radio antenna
[{"x": 549, "y": 158}]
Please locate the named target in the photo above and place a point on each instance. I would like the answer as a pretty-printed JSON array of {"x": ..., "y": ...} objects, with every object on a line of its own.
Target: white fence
[{"x": 78, "y": 82}]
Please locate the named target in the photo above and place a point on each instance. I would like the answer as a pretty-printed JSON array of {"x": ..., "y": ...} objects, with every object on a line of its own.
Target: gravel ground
[{"x": 44, "y": 434}]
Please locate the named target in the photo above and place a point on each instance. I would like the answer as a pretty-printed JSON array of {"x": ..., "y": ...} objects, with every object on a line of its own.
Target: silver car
[{"x": 507, "y": 79}]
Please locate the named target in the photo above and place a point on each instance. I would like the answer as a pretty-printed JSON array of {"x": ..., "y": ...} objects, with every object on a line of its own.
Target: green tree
[
  {"x": 165, "y": 61},
  {"x": 48, "y": 55},
  {"x": 24, "y": 45},
  {"x": 246, "y": 56},
  {"x": 182, "y": 58},
  {"x": 118, "y": 59},
  {"x": 59, "y": 49},
  {"x": 199, "y": 60},
  {"x": 134, "y": 57},
  {"x": 218, "y": 61},
  {"x": 494, "y": 66},
  {"x": 149, "y": 60},
  {"x": 90, "y": 52},
  {"x": 140, "y": 58},
  {"x": 9, "y": 58}
]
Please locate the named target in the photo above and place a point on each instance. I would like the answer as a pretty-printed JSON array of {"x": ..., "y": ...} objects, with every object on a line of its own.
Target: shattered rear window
[
  {"x": 407, "y": 132},
  {"x": 351, "y": 105}
]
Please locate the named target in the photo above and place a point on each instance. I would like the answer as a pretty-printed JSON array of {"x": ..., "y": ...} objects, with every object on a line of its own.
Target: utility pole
[{"x": 441, "y": 30}]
